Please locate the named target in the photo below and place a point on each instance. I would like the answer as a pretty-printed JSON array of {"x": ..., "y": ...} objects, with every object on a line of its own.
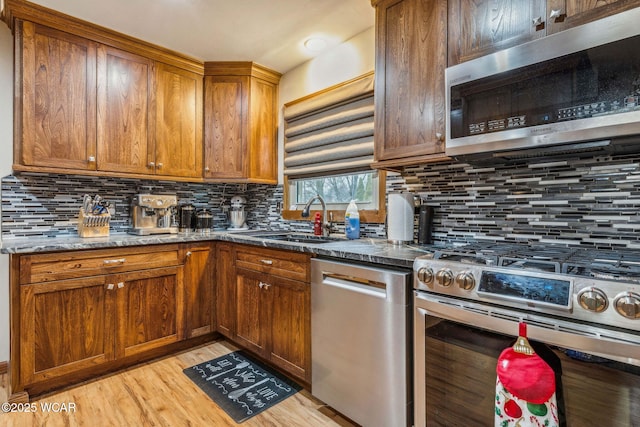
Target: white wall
[
  {"x": 350, "y": 59},
  {"x": 6, "y": 156}
]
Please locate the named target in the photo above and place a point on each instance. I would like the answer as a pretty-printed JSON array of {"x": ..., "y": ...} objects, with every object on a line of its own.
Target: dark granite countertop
[{"x": 376, "y": 251}]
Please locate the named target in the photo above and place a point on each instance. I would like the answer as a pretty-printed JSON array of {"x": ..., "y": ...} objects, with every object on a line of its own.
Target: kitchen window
[
  {"x": 337, "y": 190},
  {"x": 329, "y": 150}
]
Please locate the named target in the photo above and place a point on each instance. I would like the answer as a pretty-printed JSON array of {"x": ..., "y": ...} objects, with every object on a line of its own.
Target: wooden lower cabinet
[
  {"x": 272, "y": 312},
  {"x": 65, "y": 326},
  {"x": 253, "y": 303},
  {"x": 290, "y": 326},
  {"x": 263, "y": 301},
  {"x": 73, "y": 328},
  {"x": 199, "y": 290},
  {"x": 149, "y": 310},
  {"x": 225, "y": 290}
]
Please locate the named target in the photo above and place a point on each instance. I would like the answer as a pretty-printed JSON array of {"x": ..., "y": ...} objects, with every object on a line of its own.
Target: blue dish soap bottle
[{"x": 352, "y": 221}]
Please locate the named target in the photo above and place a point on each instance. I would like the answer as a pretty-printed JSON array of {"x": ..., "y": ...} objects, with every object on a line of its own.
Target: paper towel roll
[{"x": 400, "y": 212}]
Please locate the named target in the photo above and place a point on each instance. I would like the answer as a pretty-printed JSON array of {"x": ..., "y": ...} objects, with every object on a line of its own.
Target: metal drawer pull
[
  {"x": 264, "y": 285},
  {"x": 115, "y": 261},
  {"x": 266, "y": 261},
  {"x": 555, "y": 13},
  {"x": 120, "y": 285},
  {"x": 110, "y": 286},
  {"x": 537, "y": 21}
]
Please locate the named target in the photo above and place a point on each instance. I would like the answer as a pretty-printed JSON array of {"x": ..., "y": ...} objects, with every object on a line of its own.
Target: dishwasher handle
[{"x": 355, "y": 284}]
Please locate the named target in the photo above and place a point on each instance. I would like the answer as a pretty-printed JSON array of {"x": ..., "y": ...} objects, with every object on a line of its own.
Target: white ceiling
[{"x": 269, "y": 32}]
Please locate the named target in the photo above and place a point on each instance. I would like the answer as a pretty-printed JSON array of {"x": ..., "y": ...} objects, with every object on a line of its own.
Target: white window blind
[{"x": 331, "y": 131}]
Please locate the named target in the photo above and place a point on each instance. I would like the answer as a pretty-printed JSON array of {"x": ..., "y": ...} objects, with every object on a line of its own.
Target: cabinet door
[
  {"x": 564, "y": 14},
  {"x": 124, "y": 96},
  {"x": 290, "y": 325},
  {"x": 199, "y": 289},
  {"x": 480, "y": 27},
  {"x": 252, "y": 309},
  {"x": 225, "y": 118},
  {"x": 225, "y": 290},
  {"x": 263, "y": 117},
  {"x": 58, "y": 81},
  {"x": 178, "y": 122},
  {"x": 149, "y": 307},
  {"x": 65, "y": 326},
  {"x": 409, "y": 83}
]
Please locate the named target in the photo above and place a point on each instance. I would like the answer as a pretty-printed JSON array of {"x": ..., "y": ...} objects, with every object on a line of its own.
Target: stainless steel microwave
[{"x": 577, "y": 90}]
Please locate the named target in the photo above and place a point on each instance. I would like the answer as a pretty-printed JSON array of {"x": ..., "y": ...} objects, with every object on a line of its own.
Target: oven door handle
[{"x": 614, "y": 345}]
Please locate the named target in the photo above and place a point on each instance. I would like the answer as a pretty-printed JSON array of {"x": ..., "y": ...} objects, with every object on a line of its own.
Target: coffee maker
[{"x": 153, "y": 214}]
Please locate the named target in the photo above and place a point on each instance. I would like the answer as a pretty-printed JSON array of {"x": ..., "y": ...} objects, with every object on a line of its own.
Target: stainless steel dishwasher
[{"x": 360, "y": 341}]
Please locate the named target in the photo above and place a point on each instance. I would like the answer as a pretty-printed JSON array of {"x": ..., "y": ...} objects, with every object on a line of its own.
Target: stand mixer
[{"x": 237, "y": 215}]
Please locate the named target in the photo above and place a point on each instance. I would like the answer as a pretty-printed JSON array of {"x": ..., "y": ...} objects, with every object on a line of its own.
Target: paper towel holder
[{"x": 400, "y": 218}]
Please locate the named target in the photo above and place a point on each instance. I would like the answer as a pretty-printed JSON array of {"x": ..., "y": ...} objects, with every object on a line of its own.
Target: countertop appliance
[
  {"x": 153, "y": 214},
  {"x": 237, "y": 214},
  {"x": 574, "y": 91},
  {"x": 186, "y": 216},
  {"x": 360, "y": 340},
  {"x": 582, "y": 310}
]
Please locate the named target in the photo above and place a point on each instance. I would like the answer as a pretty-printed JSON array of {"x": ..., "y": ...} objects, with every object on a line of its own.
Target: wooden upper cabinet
[
  {"x": 564, "y": 14},
  {"x": 225, "y": 127},
  {"x": 409, "y": 80},
  {"x": 55, "y": 106},
  {"x": 240, "y": 122},
  {"x": 124, "y": 98},
  {"x": 178, "y": 122},
  {"x": 481, "y": 27},
  {"x": 93, "y": 101}
]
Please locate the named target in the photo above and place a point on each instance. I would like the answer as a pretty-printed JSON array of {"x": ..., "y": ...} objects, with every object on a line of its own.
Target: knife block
[{"x": 90, "y": 225}]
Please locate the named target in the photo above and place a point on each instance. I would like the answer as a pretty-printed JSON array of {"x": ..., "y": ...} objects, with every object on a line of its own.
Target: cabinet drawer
[
  {"x": 292, "y": 265},
  {"x": 68, "y": 265}
]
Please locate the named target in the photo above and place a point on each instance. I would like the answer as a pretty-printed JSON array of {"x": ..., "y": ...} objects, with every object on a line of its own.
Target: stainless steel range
[{"x": 581, "y": 305}]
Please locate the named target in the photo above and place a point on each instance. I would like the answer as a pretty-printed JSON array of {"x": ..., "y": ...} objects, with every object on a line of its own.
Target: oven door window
[{"x": 461, "y": 380}]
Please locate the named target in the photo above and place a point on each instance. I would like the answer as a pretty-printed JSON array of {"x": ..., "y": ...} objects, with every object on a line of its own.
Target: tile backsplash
[
  {"x": 47, "y": 204},
  {"x": 591, "y": 202}
]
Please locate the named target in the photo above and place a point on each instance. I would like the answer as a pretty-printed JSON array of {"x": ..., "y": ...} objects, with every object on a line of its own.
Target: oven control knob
[
  {"x": 593, "y": 299},
  {"x": 444, "y": 277},
  {"x": 425, "y": 275},
  {"x": 465, "y": 280},
  {"x": 628, "y": 305}
]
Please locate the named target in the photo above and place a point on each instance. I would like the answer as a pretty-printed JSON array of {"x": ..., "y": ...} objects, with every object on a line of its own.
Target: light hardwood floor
[{"x": 158, "y": 393}]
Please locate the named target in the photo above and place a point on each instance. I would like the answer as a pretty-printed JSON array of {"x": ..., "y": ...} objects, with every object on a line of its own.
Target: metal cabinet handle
[
  {"x": 264, "y": 285},
  {"x": 159, "y": 165},
  {"x": 92, "y": 159},
  {"x": 206, "y": 169},
  {"x": 188, "y": 254},
  {"x": 110, "y": 286},
  {"x": 537, "y": 21},
  {"x": 439, "y": 137},
  {"x": 114, "y": 261},
  {"x": 120, "y": 285},
  {"x": 266, "y": 261},
  {"x": 555, "y": 13},
  {"x": 152, "y": 164}
]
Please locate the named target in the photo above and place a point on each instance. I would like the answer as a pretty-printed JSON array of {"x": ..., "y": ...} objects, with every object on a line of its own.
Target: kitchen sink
[{"x": 294, "y": 237}]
